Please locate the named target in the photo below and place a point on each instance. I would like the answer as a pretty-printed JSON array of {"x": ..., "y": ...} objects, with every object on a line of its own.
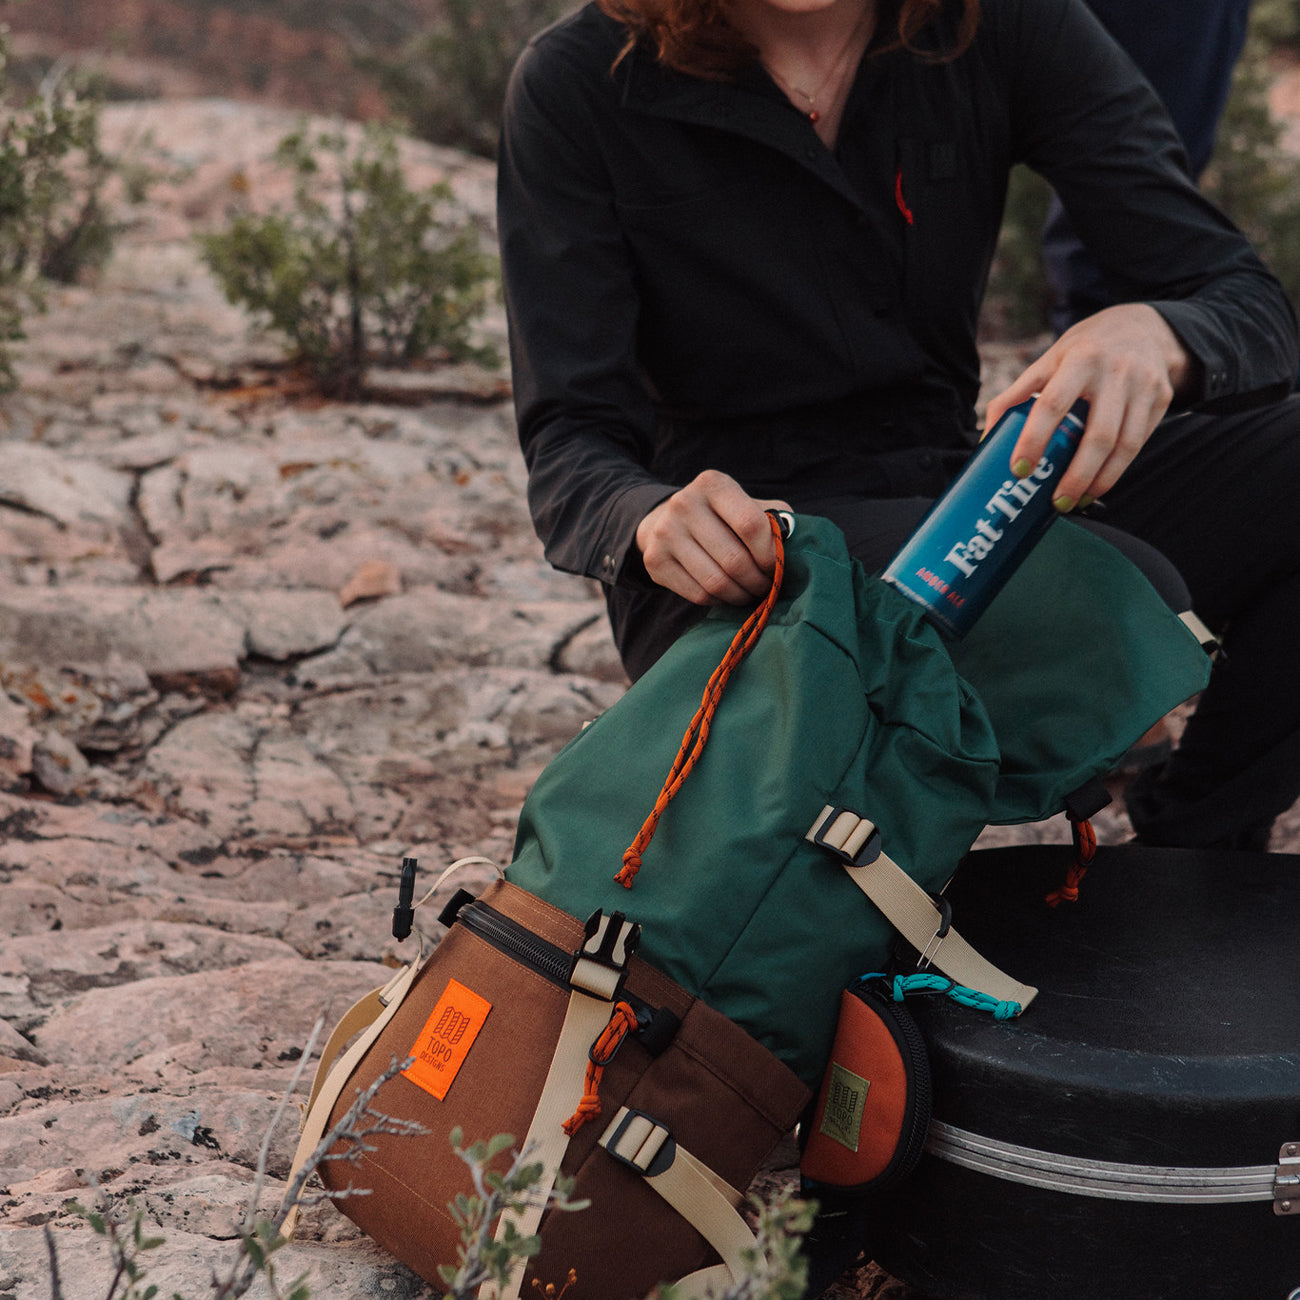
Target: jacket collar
[{"x": 750, "y": 106}]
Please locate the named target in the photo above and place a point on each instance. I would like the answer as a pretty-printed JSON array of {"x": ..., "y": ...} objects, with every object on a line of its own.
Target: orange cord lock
[
  {"x": 621, "y": 1023},
  {"x": 697, "y": 732},
  {"x": 1085, "y": 849}
]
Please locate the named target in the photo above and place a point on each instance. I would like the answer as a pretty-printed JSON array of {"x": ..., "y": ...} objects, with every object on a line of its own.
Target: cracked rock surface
[{"x": 254, "y": 649}]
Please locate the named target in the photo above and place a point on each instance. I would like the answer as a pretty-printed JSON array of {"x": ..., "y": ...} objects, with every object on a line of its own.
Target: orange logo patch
[{"x": 444, "y": 1042}]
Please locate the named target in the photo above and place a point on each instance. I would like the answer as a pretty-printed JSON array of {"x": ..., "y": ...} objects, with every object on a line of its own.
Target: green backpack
[{"x": 854, "y": 759}]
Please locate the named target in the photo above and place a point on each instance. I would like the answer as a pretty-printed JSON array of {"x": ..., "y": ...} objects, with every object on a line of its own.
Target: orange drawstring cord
[
  {"x": 1085, "y": 849},
  {"x": 621, "y": 1023},
  {"x": 698, "y": 730}
]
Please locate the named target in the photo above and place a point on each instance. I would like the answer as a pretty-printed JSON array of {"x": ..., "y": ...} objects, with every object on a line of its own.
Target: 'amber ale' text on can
[{"x": 977, "y": 533}]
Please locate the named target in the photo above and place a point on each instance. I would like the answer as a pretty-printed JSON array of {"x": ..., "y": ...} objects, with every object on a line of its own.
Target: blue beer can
[{"x": 978, "y": 532}]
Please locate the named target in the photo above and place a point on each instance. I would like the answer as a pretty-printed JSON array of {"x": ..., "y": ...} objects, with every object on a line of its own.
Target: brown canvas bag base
[{"x": 724, "y": 1099}]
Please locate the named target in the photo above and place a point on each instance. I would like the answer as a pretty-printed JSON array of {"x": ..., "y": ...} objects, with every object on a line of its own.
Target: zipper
[
  {"x": 920, "y": 1106},
  {"x": 656, "y": 1026},
  {"x": 516, "y": 941}
]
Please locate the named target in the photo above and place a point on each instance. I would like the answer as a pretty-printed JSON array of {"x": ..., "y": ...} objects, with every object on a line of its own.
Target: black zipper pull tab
[{"x": 404, "y": 912}]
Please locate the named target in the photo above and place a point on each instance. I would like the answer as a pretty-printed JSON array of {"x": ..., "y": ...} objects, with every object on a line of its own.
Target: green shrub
[
  {"x": 53, "y": 220},
  {"x": 449, "y": 81},
  {"x": 379, "y": 275},
  {"x": 1277, "y": 21},
  {"x": 776, "y": 1269}
]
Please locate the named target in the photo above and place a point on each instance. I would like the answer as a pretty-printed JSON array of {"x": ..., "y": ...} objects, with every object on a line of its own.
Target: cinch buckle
[
  {"x": 640, "y": 1142},
  {"x": 846, "y": 845}
]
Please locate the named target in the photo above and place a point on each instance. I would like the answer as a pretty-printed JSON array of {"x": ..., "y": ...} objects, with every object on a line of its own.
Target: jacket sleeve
[
  {"x": 1085, "y": 118},
  {"x": 586, "y": 422}
]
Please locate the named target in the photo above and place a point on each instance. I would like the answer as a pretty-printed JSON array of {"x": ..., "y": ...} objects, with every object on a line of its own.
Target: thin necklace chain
[{"x": 813, "y": 113}]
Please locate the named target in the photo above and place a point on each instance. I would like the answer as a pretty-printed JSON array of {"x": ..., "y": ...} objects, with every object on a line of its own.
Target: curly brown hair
[{"x": 696, "y": 37}]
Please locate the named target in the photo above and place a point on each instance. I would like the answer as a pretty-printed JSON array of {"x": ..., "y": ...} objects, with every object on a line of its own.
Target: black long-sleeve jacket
[{"x": 693, "y": 279}]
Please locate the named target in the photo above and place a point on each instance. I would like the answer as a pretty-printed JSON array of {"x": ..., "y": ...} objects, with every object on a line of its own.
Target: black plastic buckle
[
  {"x": 619, "y": 930},
  {"x": 664, "y": 1157},
  {"x": 869, "y": 852}
]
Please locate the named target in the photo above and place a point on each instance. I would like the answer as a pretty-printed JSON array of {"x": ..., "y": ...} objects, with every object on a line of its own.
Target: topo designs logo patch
[
  {"x": 444, "y": 1042},
  {"x": 845, "y": 1100}
]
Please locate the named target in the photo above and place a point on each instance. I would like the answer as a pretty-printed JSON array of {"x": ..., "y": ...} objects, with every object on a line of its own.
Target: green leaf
[{"x": 501, "y": 1142}]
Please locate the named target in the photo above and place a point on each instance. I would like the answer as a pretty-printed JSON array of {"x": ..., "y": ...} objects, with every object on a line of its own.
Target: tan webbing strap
[
  {"x": 704, "y": 1283},
  {"x": 1208, "y": 641},
  {"x": 362, "y": 1013},
  {"x": 371, "y": 1014},
  {"x": 547, "y": 1141},
  {"x": 910, "y": 910},
  {"x": 598, "y": 967},
  {"x": 703, "y": 1199}
]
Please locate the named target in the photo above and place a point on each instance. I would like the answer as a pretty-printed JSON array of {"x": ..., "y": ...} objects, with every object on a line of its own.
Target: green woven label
[{"x": 845, "y": 1099}]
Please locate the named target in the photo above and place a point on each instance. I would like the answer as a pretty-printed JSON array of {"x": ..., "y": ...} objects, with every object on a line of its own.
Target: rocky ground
[{"x": 255, "y": 648}]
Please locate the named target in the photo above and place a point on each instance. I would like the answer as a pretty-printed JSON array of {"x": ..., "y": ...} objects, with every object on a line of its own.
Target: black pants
[{"x": 1220, "y": 497}]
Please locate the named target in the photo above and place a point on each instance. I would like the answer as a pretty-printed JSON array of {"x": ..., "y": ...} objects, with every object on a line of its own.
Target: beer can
[{"x": 979, "y": 531}]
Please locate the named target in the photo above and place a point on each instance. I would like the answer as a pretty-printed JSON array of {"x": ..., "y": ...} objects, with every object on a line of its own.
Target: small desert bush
[
  {"x": 448, "y": 81},
  {"x": 363, "y": 269},
  {"x": 54, "y": 221}
]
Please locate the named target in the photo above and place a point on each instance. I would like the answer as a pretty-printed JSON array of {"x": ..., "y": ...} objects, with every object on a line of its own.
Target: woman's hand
[
  {"x": 1129, "y": 365},
  {"x": 710, "y": 542}
]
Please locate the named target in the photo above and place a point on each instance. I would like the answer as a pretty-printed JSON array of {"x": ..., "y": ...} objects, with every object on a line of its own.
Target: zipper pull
[{"x": 404, "y": 912}]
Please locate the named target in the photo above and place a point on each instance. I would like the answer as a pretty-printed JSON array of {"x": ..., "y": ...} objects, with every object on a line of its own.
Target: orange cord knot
[
  {"x": 631, "y": 865},
  {"x": 1085, "y": 849},
  {"x": 1068, "y": 892},
  {"x": 588, "y": 1108},
  {"x": 622, "y": 1022}
]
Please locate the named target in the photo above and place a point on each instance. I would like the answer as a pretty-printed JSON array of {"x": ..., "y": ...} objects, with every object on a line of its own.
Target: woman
[{"x": 745, "y": 245}]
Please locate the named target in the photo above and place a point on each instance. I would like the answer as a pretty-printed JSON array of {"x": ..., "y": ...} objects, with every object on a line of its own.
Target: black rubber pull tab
[
  {"x": 404, "y": 912},
  {"x": 1087, "y": 801}
]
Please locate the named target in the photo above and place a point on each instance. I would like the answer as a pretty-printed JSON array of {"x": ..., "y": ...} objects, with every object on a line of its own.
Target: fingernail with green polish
[
  {"x": 1064, "y": 504},
  {"x": 1020, "y": 468},
  {"x": 1085, "y": 502}
]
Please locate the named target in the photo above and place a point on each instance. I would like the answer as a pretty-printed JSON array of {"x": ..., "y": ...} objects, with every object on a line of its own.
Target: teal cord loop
[{"x": 903, "y": 985}]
